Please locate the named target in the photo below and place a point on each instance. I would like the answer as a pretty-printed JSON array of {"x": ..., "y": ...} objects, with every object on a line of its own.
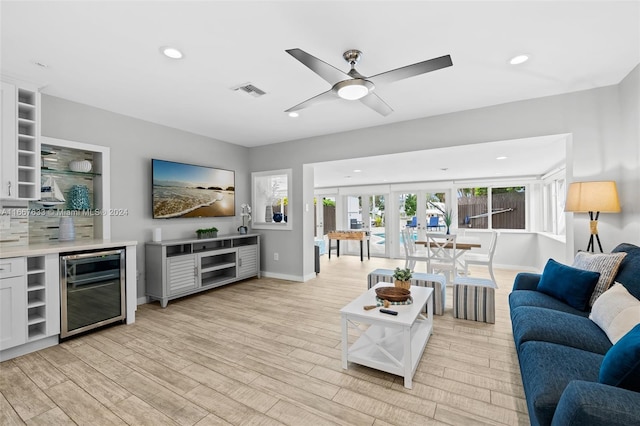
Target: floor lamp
[{"x": 590, "y": 197}]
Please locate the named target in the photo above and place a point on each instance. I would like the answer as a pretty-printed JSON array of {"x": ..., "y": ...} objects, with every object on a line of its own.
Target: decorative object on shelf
[
  {"x": 402, "y": 278},
  {"x": 83, "y": 166},
  {"x": 589, "y": 197},
  {"x": 207, "y": 233},
  {"x": 50, "y": 193},
  {"x": 268, "y": 213},
  {"x": 157, "y": 234},
  {"x": 66, "y": 229},
  {"x": 79, "y": 198},
  {"x": 246, "y": 218},
  {"x": 277, "y": 217}
]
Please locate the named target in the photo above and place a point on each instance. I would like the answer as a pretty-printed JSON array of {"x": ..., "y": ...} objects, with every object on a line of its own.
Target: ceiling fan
[{"x": 355, "y": 86}]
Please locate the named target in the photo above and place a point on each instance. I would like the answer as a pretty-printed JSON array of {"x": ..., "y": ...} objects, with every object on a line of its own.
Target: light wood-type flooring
[{"x": 266, "y": 352}]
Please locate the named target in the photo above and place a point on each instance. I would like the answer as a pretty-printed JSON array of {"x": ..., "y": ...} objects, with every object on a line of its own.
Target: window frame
[{"x": 260, "y": 181}]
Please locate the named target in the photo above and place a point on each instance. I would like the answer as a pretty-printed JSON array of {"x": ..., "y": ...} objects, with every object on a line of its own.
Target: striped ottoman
[
  {"x": 437, "y": 282},
  {"x": 474, "y": 299}
]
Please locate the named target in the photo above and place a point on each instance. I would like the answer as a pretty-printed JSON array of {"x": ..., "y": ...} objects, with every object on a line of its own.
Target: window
[
  {"x": 270, "y": 198},
  {"x": 507, "y": 205},
  {"x": 553, "y": 193}
]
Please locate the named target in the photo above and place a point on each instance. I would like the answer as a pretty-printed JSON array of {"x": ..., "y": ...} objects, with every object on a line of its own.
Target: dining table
[{"x": 462, "y": 243}]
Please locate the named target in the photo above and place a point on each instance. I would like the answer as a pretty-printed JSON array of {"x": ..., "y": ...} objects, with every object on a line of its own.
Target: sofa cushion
[
  {"x": 567, "y": 284},
  {"x": 629, "y": 270},
  {"x": 621, "y": 365},
  {"x": 616, "y": 312},
  {"x": 545, "y": 325},
  {"x": 605, "y": 263},
  {"x": 535, "y": 298},
  {"x": 547, "y": 369}
]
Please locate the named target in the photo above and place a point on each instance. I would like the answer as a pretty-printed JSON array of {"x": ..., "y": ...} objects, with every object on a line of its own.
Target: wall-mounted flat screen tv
[{"x": 187, "y": 190}]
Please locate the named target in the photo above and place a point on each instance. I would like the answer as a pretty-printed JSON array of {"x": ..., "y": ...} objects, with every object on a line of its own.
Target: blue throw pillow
[
  {"x": 570, "y": 285},
  {"x": 621, "y": 365}
]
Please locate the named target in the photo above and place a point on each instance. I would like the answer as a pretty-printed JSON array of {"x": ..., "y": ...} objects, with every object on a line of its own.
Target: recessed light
[
  {"x": 41, "y": 64},
  {"x": 501, "y": 158},
  {"x": 520, "y": 59},
  {"x": 294, "y": 114},
  {"x": 171, "y": 52},
  {"x": 357, "y": 171}
]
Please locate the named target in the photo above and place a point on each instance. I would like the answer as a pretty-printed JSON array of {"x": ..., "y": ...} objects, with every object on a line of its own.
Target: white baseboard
[
  {"x": 142, "y": 300},
  {"x": 282, "y": 276}
]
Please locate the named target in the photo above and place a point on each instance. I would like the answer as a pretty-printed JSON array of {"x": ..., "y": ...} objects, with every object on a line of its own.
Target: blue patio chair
[
  {"x": 434, "y": 222},
  {"x": 413, "y": 223}
]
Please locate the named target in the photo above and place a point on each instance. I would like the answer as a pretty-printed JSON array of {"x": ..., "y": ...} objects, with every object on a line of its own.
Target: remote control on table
[{"x": 390, "y": 312}]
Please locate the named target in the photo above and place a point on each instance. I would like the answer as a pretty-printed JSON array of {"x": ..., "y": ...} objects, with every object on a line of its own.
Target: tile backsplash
[{"x": 31, "y": 222}]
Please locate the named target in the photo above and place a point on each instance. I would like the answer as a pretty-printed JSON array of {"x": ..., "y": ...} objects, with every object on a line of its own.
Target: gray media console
[{"x": 177, "y": 268}]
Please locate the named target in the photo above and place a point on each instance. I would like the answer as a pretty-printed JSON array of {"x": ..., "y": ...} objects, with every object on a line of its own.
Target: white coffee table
[{"x": 391, "y": 343}]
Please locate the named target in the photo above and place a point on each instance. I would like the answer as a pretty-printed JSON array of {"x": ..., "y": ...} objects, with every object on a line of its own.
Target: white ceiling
[
  {"x": 492, "y": 161},
  {"x": 106, "y": 54}
]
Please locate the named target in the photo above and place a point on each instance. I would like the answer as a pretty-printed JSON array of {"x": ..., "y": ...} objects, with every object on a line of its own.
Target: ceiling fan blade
[
  {"x": 328, "y": 72},
  {"x": 411, "y": 70},
  {"x": 374, "y": 102},
  {"x": 322, "y": 97}
]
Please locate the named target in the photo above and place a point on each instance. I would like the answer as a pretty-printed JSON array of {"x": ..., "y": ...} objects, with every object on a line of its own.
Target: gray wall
[
  {"x": 133, "y": 143},
  {"x": 600, "y": 150},
  {"x": 603, "y": 123}
]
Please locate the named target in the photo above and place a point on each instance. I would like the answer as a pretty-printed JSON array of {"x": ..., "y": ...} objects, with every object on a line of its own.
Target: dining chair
[
  {"x": 482, "y": 258},
  {"x": 434, "y": 222},
  {"x": 412, "y": 254},
  {"x": 442, "y": 256}
]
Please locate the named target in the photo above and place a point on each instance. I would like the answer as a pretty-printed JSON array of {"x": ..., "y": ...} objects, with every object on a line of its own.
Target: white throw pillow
[
  {"x": 605, "y": 263},
  {"x": 616, "y": 312}
]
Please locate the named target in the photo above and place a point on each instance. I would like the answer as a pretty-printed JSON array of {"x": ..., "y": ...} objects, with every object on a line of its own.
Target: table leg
[
  {"x": 345, "y": 340},
  {"x": 368, "y": 250},
  {"x": 408, "y": 362},
  {"x": 338, "y": 247},
  {"x": 361, "y": 259},
  {"x": 329, "y": 248}
]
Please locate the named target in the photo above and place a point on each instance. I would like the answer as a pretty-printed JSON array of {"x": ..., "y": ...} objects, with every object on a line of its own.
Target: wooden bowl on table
[{"x": 393, "y": 294}]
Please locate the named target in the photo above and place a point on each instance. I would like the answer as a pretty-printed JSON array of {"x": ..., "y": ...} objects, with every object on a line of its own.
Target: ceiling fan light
[
  {"x": 353, "y": 89},
  {"x": 353, "y": 92}
]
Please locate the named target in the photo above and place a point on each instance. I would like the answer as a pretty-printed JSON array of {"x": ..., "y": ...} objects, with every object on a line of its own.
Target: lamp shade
[{"x": 593, "y": 197}]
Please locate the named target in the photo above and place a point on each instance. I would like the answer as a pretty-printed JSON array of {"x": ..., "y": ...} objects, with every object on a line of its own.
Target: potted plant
[
  {"x": 207, "y": 232},
  {"x": 447, "y": 217},
  {"x": 402, "y": 278}
]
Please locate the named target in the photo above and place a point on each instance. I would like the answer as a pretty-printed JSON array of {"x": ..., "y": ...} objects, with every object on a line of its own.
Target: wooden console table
[{"x": 349, "y": 235}]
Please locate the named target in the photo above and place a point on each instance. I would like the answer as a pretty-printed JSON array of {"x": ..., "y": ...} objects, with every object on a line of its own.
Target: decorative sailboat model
[{"x": 50, "y": 193}]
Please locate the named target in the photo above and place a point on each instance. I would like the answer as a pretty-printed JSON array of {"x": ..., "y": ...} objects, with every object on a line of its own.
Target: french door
[{"x": 367, "y": 212}]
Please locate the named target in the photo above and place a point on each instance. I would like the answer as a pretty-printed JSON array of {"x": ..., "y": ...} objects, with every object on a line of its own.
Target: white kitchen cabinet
[
  {"x": 20, "y": 144},
  {"x": 13, "y": 302}
]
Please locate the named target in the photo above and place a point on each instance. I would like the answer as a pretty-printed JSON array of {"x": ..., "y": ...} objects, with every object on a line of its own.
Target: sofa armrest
[
  {"x": 526, "y": 281},
  {"x": 591, "y": 403}
]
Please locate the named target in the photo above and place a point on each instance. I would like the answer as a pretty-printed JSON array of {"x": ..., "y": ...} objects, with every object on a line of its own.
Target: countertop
[{"x": 61, "y": 247}]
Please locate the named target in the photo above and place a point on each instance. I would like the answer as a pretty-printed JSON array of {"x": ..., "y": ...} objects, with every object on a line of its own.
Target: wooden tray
[{"x": 393, "y": 294}]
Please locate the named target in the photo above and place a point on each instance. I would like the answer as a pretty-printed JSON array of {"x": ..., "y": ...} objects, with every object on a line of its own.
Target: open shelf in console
[
  {"x": 178, "y": 250},
  {"x": 217, "y": 261},
  {"x": 245, "y": 241},
  {"x": 219, "y": 276},
  {"x": 210, "y": 245}
]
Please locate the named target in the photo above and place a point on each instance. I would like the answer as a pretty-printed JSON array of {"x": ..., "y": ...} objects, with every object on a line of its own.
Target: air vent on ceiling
[{"x": 250, "y": 89}]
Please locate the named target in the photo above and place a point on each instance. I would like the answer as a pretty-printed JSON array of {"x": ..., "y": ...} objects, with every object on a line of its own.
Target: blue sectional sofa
[{"x": 561, "y": 352}]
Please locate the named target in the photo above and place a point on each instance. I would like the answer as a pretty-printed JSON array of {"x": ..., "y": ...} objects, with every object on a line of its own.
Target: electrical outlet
[{"x": 276, "y": 256}]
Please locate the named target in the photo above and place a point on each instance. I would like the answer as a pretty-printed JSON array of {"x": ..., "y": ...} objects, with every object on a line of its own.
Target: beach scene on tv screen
[{"x": 185, "y": 190}]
